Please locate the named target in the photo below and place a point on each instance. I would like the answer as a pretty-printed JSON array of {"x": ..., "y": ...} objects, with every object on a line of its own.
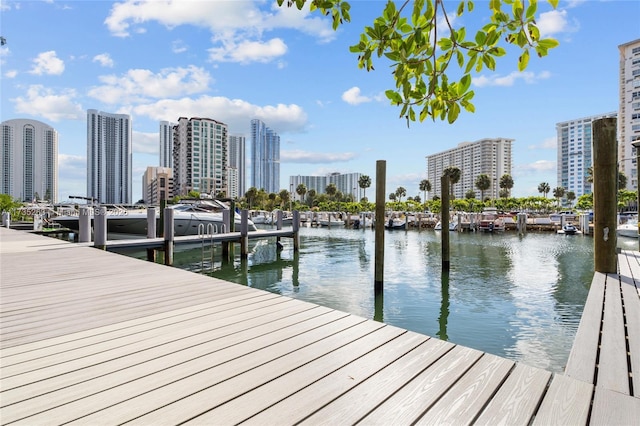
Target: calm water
[{"x": 520, "y": 297}]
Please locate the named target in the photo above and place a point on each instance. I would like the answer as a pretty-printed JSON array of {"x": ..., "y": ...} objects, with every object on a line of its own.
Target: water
[{"x": 519, "y": 297}]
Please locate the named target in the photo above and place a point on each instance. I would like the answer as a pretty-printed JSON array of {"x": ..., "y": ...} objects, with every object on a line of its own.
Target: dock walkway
[{"x": 93, "y": 337}]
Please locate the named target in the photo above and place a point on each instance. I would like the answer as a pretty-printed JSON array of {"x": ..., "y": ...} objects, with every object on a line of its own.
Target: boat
[
  {"x": 490, "y": 221},
  {"x": 452, "y": 226},
  {"x": 629, "y": 229},
  {"x": 329, "y": 219},
  {"x": 395, "y": 223},
  {"x": 188, "y": 216},
  {"x": 568, "y": 229}
]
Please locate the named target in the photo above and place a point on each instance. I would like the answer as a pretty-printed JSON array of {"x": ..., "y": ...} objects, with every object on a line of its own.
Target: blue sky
[{"x": 238, "y": 60}]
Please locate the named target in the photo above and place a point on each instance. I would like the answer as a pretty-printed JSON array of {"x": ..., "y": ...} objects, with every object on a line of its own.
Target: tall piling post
[
  {"x": 381, "y": 177},
  {"x": 168, "y": 231},
  {"x": 84, "y": 224},
  {"x": 444, "y": 220},
  {"x": 226, "y": 220},
  {"x": 244, "y": 234},
  {"x": 100, "y": 228},
  {"x": 151, "y": 232},
  {"x": 296, "y": 231},
  {"x": 605, "y": 191}
]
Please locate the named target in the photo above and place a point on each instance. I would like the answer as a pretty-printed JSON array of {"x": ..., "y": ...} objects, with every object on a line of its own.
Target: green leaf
[
  {"x": 523, "y": 60},
  {"x": 481, "y": 37},
  {"x": 460, "y": 8},
  {"x": 454, "y": 111},
  {"x": 465, "y": 83},
  {"x": 469, "y": 6},
  {"x": 554, "y": 3},
  {"x": 548, "y": 43},
  {"x": 531, "y": 10},
  {"x": 393, "y": 96}
]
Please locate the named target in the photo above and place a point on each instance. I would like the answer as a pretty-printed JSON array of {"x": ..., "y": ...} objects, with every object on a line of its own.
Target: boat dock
[{"x": 93, "y": 337}]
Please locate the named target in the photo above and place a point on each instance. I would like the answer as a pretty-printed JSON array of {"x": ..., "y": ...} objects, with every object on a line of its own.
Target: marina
[{"x": 148, "y": 344}]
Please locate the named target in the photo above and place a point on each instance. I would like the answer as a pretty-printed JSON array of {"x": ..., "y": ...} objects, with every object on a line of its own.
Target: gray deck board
[
  {"x": 92, "y": 337},
  {"x": 630, "y": 284}
]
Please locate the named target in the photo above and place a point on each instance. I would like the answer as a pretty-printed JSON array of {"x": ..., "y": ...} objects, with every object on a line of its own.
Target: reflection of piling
[
  {"x": 381, "y": 176},
  {"x": 296, "y": 231},
  {"x": 226, "y": 225},
  {"x": 244, "y": 234},
  {"x": 151, "y": 232},
  {"x": 444, "y": 220},
  {"x": 444, "y": 307}
]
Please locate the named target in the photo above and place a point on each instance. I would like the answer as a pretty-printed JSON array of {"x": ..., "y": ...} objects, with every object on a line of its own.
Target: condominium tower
[
  {"x": 346, "y": 183},
  {"x": 629, "y": 111},
  {"x": 491, "y": 157},
  {"x": 166, "y": 144},
  {"x": 575, "y": 156},
  {"x": 29, "y": 160},
  {"x": 237, "y": 166},
  {"x": 109, "y": 157},
  {"x": 265, "y": 157},
  {"x": 200, "y": 156}
]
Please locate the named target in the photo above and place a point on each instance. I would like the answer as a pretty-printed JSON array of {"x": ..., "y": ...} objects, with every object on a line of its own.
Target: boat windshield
[{"x": 198, "y": 207}]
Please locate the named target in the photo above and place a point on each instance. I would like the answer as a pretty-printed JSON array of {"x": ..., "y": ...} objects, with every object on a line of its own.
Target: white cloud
[
  {"x": 11, "y": 73},
  {"x": 139, "y": 85},
  {"x": 299, "y": 156},
  {"x": 146, "y": 143},
  {"x": 509, "y": 80},
  {"x": 47, "y": 63},
  {"x": 72, "y": 166},
  {"x": 236, "y": 113},
  {"x": 555, "y": 22},
  {"x": 236, "y": 27},
  {"x": 353, "y": 96},
  {"x": 248, "y": 51},
  {"x": 178, "y": 46},
  {"x": 49, "y": 104},
  {"x": 104, "y": 59},
  {"x": 548, "y": 143},
  {"x": 540, "y": 166}
]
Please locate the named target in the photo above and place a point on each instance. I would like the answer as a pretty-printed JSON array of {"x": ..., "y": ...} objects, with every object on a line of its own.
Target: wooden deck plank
[
  {"x": 567, "y": 402},
  {"x": 79, "y": 358},
  {"x": 582, "y": 358},
  {"x": 217, "y": 361},
  {"x": 614, "y": 408},
  {"x": 299, "y": 401},
  {"x": 410, "y": 402},
  {"x": 355, "y": 404},
  {"x": 517, "y": 399},
  {"x": 467, "y": 398},
  {"x": 209, "y": 385},
  {"x": 613, "y": 370},
  {"x": 630, "y": 283}
]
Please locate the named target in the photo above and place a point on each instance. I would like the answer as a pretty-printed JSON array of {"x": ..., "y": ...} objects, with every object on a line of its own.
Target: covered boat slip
[{"x": 92, "y": 337}]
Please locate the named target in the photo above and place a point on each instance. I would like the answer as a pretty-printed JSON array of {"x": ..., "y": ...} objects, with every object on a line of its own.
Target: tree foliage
[
  {"x": 364, "y": 182},
  {"x": 483, "y": 182},
  {"x": 421, "y": 42}
]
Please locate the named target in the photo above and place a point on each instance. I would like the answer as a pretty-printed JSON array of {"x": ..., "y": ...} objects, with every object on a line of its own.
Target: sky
[{"x": 234, "y": 61}]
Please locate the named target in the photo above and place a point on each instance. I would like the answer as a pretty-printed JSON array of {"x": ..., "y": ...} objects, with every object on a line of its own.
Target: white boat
[
  {"x": 329, "y": 219},
  {"x": 395, "y": 223},
  {"x": 629, "y": 229},
  {"x": 453, "y": 226},
  {"x": 568, "y": 229},
  {"x": 188, "y": 216}
]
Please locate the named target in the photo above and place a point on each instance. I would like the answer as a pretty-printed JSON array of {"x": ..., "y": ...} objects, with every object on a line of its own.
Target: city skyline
[{"x": 291, "y": 70}]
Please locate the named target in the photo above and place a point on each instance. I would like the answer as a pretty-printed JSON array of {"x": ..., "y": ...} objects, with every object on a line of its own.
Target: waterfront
[{"x": 520, "y": 297}]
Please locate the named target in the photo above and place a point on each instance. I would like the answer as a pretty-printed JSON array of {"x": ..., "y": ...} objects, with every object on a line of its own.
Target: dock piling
[
  {"x": 84, "y": 225},
  {"x": 100, "y": 228},
  {"x": 151, "y": 232},
  {"x": 381, "y": 177},
  {"x": 168, "y": 232}
]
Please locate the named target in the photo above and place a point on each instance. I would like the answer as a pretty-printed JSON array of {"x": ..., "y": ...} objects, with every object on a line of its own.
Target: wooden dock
[{"x": 93, "y": 337}]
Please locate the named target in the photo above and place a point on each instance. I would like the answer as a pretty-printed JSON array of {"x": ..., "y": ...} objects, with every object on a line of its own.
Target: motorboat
[
  {"x": 490, "y": 221},
  {"x": 187, "y": 218},
  {"x": 453, "y": 226},
  {"x": 629, "y": 229},
  {"x": 329, "y": 219},
  {"x": 395, "y": 223}
]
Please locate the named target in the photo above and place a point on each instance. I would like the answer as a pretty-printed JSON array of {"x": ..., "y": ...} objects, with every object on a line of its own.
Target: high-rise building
[
  {"x": 157, "y": 185},
  {"x": 237, "y": 166},
  {"x": 575, "y": 155},
  {"x": 491, "y": 157},
  {"x": 29, "y": 160},
  {"x": 265, "y": 157},
  {"x": 347, "y": 184},
  {"x": 109, "y": 157},
  {"x": 166, "y": 144},
  {"x": 629, "y": 111},
  {"x": 200, "y": 156}
]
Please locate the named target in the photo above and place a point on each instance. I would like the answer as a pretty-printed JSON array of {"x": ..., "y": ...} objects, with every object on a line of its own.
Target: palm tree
[
  {"x": 251, "y": 196},
  {"x": 331, "y": 190},
  {"x": 470, "y": 194},
  {"x": 544, "y": 189},
  {"x": 454, "y": 174},
  {"x": 312, "y": 195},
  {"x": 483, "y": 182},
  {"x": 301, "y": 189},
  {"x": 558, "y": 193},
  {"x": 392, "y": 196},
  {"x": 400, "y": 192},
  {"x": 506, "y": 182},
  {"x": 425, "y": 186},
  {"x": 364, "y": 182},
  {"x": 570, "y": 197}
]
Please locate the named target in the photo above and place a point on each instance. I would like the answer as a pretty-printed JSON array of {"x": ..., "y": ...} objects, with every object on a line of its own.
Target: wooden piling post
[
  {"x": 381, "y": 177},
  {"x": 605, "y": 191},
  {"x": 151, "y": 232},
  {"x": 168, "y": 236},
  {"x": 444, "y": 220},
  {"x": 84, "y": 224},
  {"x": 226, "y": 220},
  {"x": 100, "y": 228},
  {"x": 244, "y": 234},
  {"x": 296, "y": 231}
]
